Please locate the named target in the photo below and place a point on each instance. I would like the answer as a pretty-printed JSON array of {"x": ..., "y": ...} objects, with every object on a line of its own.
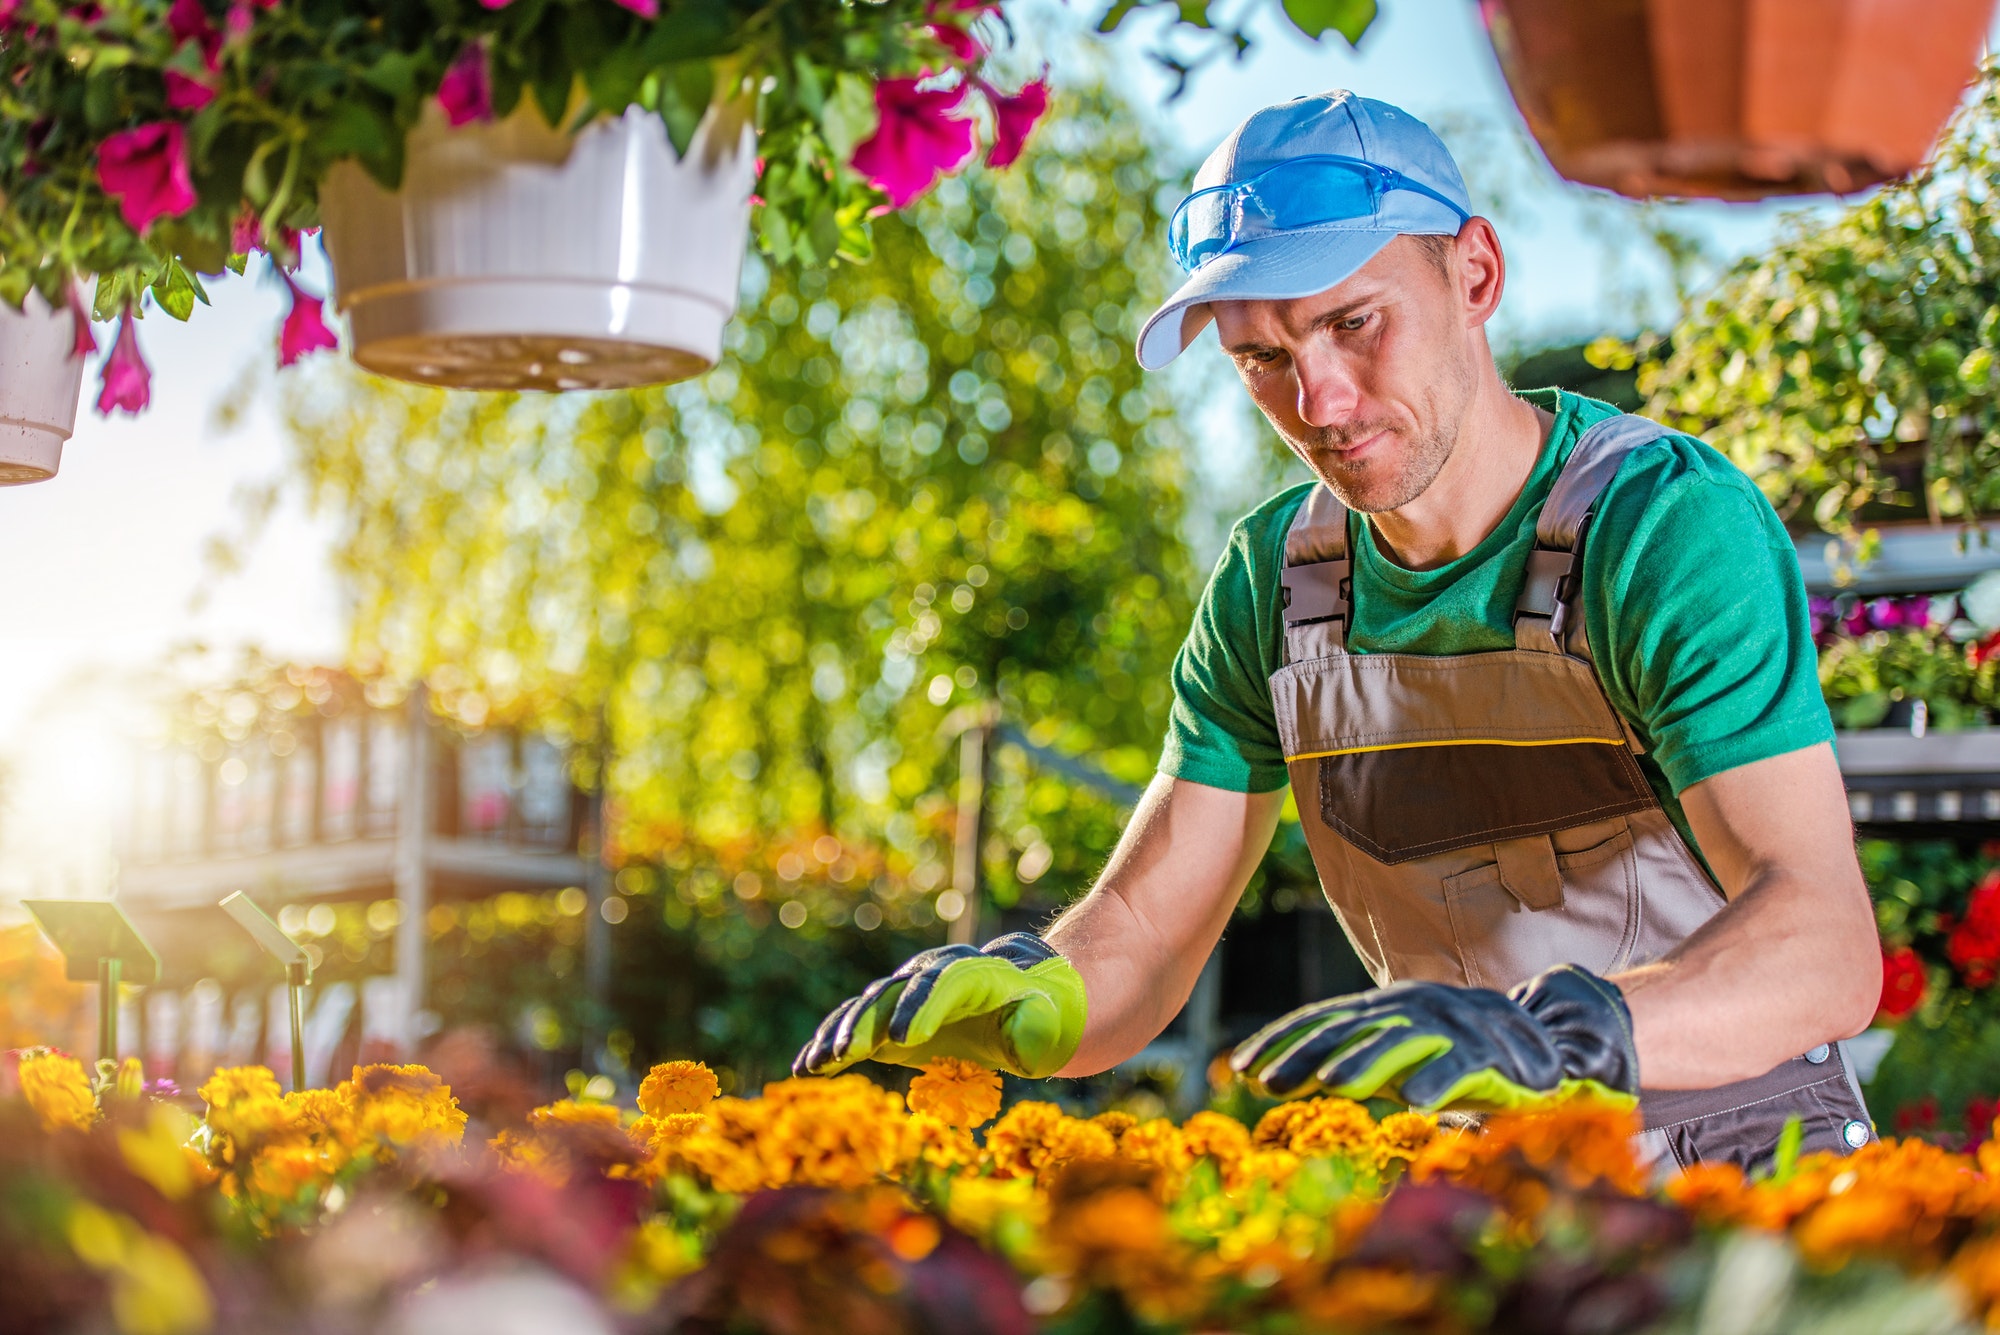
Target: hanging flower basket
[
  {"x": 155, "y": 144},
  {"x": 41, "y": 374},
  {"x": 1736, "y": 99},
  {"x": 519, "y": 257}
]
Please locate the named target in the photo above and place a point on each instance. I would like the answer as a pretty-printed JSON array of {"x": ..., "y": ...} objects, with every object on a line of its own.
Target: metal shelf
[
  {"x": 1940, "y": 783},
  {"x": 1913, "y": 558}
]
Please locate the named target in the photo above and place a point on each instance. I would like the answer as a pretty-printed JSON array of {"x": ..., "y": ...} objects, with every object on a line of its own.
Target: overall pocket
[{"x": 1502, "y": 941}]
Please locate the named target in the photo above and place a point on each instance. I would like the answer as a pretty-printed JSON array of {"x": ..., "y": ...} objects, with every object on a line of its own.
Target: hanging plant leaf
[
  {"x": 1349, "y": 18},
  {"x": 685, "y": 93}
]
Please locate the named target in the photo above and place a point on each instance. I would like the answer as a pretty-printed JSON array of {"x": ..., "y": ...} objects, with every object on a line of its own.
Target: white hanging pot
[
  {"x": 519, "y": 257},
  {"x": 40, "y": 379}
]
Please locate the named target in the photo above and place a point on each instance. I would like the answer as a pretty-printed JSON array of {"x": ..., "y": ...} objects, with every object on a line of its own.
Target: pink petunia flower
[
  {"x": 8, "y": 10},
  {"x": 916, "y": 140},
  {"x": 186, "y": 94},
  {"x": 305, "y": 327},
  {"x": 146, "y": 171},
  {"x": 466, "y": 94},
  {"x": 957, "y": 40},
  {"x": 187, "y": 21},
  {"x": 645, "y": 9},
  {"x": 84, "y": 342},
  {"x": 128, "y": 381},
  {"x": 1013, "y": 118}
]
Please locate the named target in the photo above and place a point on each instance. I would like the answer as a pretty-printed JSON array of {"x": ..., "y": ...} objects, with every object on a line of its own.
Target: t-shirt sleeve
[
  {"x": 1222, "y": 731},
  {"x": 1702, "y": 634}
]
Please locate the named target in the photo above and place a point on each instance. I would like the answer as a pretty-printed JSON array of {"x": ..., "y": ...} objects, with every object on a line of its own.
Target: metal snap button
[
  {"x": 1855, "y": 1134},
  {"x": 1820, "y": 1053}
]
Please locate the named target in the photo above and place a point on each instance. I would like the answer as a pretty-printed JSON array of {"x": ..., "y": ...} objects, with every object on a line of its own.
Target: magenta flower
[
  {"x": 186, "y": 94},
  {"x": 8, "y": 9},
  {"x": 1013, "y": 118},
  {"x": 305, "y": 327},
  {"x": 957, "y": 40},
  {"x": 466, "y": 94},
  {"x": 84, "y": 343},
  {"x": 128, "y": 381},
  {"x": 187, "y": 21},
  {"x": 645, "y": 9},
  {"x": 916, "y": 140},
  {"x": 146, "y": 171}
]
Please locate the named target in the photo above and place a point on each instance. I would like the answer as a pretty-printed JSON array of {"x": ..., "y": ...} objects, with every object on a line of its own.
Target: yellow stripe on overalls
[{"x": 1460, "y": 741}]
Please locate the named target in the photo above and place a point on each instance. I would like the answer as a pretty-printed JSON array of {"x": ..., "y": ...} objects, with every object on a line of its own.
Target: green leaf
[
  {"x": 850, "y": 117},
  {"x": 685, "y": 93},
  {"x": 356, "y": 129},
  {"x": 1349, "y": 18},
  {"x": 1786, "y": 1161},
  {"x": 395, "y": 73},
  {"x": 100, "y": 101},
  {"x": 774, "y": 234},
  {"x": 552, "y": 88},
  {"x": 175, "y": 292},
  {"x": 1120, "y": 10},
  {"x": 809, "y": 87}
]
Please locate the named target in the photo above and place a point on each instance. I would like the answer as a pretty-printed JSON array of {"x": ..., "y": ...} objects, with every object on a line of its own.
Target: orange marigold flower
[
  {"x": 1160, "y": 1144},
  {"x": 1401, "y": 1134},
  {"x": 1215, "y": 1136},
  {"x": 1116, "y": 1122},
  {"x": 677, "y": 1087},
  {"x": 57, "y": 1089},
  {"x": 1371, "y": 1298},
  {"x": 962, "y": 1093},
  {"x": 568, "y": 1112},
  {"x": 1319, "y": 1126},
  {"x": 1034, "y": 1139}
]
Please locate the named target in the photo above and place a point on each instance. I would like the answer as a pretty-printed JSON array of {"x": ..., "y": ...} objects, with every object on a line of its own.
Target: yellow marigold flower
[
  {"x": 389, "y": 1107},
  {"x": 936, "y": 1143},
  {"x": 1116, "y": 1122},
  {"x": 1215, "y": 1136},
  {"x": 677, "y": 1087},
  {"x": 57, "y": 1089},
  {"x": 962, "y": 1093},
  {"x": 977, "y": 1205},
  {"x": 842, "y": 1132},
  {"x": 1322, "y": 1126},
  {"x": 1034, "y": 1139},
  {"x": 1272, "y": 1166},
  {"x": 568, "y": 1112},
  {"x": 1401, "y": 1134},
  {"x": 1159, "y": 1143},
  {"x": 1367, "y": 1298},
  {"x": 656, "y": 1133},
  {"x": 232, "y": 1085}
]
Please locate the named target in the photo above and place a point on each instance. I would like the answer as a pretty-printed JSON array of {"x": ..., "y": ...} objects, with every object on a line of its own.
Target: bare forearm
[
  {"x": 1141, "y": 936},
  {"x": 1781, "y": 970}
]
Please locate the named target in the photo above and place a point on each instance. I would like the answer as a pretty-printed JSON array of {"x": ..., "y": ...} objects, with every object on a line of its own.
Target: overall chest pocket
[{"x": 1505, "y": 937}]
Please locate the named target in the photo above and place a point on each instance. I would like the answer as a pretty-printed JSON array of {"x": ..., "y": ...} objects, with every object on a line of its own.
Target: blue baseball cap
[{"x": 1271, "y": 263}]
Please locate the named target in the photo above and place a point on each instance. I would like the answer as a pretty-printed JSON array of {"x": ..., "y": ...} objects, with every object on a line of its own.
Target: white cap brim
[{"x": 1279, "y": 266}]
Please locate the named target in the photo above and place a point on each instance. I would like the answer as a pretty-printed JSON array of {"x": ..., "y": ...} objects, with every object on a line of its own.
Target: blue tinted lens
[
  {"x": 1304, "y": 194},
  {"x": 1204, "y": 225}
]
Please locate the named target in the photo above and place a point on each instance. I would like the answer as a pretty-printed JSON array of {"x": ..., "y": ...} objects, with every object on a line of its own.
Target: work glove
[
  {"x": 1015, "y": 1005},
  {"x": 1561, "y": 1033}
]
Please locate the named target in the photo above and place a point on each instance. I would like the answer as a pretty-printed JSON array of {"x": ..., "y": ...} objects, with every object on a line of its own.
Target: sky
[{"x": 110, "y": 555}]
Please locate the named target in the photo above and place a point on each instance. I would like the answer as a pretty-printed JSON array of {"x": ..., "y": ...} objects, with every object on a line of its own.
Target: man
[{"x": 1539, "y": 676}]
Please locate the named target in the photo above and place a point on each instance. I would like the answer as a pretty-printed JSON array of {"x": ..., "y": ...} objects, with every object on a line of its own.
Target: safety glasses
[{"x": 1301, "y": 192}]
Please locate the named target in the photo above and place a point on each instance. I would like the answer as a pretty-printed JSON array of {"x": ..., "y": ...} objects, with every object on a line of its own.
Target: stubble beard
[{"x": 1391, "y": 479}]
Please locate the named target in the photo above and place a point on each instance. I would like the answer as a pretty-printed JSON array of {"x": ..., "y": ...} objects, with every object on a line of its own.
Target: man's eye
[{"x": 1353, "y": 324}]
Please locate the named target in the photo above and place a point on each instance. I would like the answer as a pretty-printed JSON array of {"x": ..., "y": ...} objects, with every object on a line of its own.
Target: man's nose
[{"x": 1328, "y": 395}]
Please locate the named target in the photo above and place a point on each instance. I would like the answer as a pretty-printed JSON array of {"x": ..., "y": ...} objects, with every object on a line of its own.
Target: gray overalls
[{"x": 1477, "y": 818}]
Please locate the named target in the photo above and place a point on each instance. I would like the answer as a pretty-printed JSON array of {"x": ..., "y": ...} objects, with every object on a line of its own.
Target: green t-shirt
[{"x": 1693, "y": 602}]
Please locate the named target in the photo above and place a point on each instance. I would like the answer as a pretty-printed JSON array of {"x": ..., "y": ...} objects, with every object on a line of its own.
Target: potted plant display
[
  {"x": 1736, "y": 99},
  {"x": 518, "y": 193}
]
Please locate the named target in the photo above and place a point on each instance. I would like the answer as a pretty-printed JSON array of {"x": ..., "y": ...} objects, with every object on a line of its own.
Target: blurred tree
[
  {"x": 1853, "y": 366},
  {"x": 933, "y": 481}
]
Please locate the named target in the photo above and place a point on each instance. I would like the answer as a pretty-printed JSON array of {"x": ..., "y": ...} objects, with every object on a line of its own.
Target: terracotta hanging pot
[
  {"x": 1737, "y": 99},
  {"x": 41, "y": 376},
  {"x": 519, "y": 257}
]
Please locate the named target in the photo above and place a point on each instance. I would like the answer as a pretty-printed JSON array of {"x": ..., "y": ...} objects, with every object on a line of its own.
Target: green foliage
[
  {"x": 1225, "y": 28},
  {"x": 1853, "y": 365},
  {"x": 305, "y": 84},
  {"x": 1861, "y": 679},
  {"x": 931, "y": 484}
]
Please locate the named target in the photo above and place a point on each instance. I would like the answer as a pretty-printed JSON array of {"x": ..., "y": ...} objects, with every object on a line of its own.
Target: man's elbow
[{"x": 1855, "y": 992}]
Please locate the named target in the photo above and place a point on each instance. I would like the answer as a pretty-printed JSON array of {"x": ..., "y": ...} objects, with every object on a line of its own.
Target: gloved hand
[
  {"x": 1014, "y": 1006},
  {"x": 1562, "y": 1032}
]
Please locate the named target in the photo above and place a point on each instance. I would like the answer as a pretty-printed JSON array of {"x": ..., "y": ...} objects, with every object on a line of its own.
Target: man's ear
[{"x": 1479, "y": 270}]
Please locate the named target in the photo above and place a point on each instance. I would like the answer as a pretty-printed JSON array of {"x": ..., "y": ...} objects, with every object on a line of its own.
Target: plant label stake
[
  {"x": 97, "y": 942},
  {"x": 298, "y": 968}
]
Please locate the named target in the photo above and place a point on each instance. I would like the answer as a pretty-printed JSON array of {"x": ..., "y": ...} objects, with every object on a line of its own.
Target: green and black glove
[
  {"x": 1563, "y": 1032},
  {"x": 1014, "y": 1006}
]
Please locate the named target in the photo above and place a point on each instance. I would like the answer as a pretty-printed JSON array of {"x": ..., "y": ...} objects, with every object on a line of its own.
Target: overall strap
[
  {"x": 1318, "y": 579},
  {"x": 1551, "y": 596}
]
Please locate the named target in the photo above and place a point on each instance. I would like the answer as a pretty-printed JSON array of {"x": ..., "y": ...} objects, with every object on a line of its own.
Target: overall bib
[{"x": 1478, "y": 818}]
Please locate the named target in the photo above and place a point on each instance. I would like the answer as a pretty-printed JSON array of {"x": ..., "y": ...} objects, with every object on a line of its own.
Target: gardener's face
[{"x": 1370, "y": 382}]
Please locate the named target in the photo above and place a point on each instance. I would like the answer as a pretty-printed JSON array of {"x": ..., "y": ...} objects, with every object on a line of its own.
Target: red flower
[
  {"x": 466, "y": 94},
  {"x": 146, "y": 171},
  {"x": 916, "y": 140},
  {"x": 1013, "y": 118},
  {"x": 1979, "y": 1111},
  {"x": 1902, "y": 983},
  {"x": 83, "y": 343},
  {"x": 128, "y": 381},
  {"x": 305, "y": 328}
]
